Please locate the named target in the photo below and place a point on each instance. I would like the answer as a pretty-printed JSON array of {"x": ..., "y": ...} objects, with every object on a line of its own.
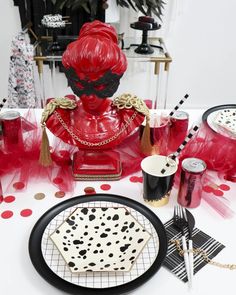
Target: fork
[
  {"x": 180, "y": 223},
  {"x": 190, "y": 223}
]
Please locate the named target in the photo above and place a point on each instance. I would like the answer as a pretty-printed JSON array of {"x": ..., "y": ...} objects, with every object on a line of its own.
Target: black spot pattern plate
[
  {"x": 52, "y": 267},
  {"x": 100, "y": 239},
  {"x": 210, "y": 117}
]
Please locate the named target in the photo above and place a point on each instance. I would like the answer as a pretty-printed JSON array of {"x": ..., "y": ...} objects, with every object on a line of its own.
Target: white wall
[
  {"x": 202, "y": 43},
  {"x": 200, "y": 37}
]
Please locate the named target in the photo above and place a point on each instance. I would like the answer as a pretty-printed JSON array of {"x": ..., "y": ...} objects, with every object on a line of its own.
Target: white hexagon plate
[{"x": 100, "y": 239}]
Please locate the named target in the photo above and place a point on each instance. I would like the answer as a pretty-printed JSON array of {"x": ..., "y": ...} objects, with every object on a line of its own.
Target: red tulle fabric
[
  {"x": 21, "y": 168},
  {"x": 128, "y": 153},
  {"x": 216, "y": 150}
]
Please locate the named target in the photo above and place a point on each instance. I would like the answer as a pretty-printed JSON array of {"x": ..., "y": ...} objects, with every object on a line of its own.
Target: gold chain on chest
[
  {"x": 125, "y": 101},
  {"x": 92, "y": 144}
]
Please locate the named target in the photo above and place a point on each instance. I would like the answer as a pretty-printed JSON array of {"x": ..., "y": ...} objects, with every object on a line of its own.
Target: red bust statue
[{"x": 94, "y": 64}]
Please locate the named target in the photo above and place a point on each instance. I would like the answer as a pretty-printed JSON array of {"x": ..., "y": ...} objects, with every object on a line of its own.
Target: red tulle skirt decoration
[
  {"x": 216, "y": 150},
  {"x": 20, "y": 167}
]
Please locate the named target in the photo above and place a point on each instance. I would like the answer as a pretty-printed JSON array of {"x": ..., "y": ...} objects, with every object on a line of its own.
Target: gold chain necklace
[
  {"x": 204, "y": 255},
  {"x": 92, "y": 144}
]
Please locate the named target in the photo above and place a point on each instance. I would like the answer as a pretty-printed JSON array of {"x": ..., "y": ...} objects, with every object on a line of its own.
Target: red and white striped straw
[
  {"x": 178, "y": 105},
  {"x": 182, "y": 146}
]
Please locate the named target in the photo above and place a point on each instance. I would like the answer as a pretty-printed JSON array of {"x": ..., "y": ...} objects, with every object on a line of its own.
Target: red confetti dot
[
  {"x": 19, "y": 185},
  {"x": 89, "y": 190},
  {"x": 208, "y": 189},
  {"x": 105, "y": 187},
  {"x": 140, "y": 179},
  {"x": 224, "y": 187},
  {"x": 1, "y": 199},
  {"x": 9, "y": 199},
  {"x": 60, "y": 194},
  {"x": 218, "y": 193},
  {"x": 7, "y": 214},
  {"x": 134, "y": 179},
  {"x": 26, "y": 212},
  {"x": 57, "y": 180}
]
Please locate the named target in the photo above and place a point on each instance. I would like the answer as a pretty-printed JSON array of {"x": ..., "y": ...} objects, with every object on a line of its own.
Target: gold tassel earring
[{"x": 45, "y": 156}]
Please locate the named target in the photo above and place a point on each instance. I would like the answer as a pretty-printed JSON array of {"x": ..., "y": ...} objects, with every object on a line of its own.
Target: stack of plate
[{"x": 98, "y": 243}]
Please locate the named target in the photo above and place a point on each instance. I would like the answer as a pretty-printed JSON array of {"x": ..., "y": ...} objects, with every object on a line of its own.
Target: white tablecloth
[{"x": 18, "y": 276}]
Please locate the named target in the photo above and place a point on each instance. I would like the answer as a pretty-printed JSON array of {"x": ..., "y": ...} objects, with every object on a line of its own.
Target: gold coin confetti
[{"x": 39, "y": 196}]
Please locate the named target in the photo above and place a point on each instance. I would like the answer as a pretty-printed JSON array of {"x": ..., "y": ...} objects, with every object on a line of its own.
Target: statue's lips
[{"x": 92, "y": 103}]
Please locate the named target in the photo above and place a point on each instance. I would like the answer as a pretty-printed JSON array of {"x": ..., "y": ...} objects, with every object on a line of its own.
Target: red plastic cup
[
  {"x": 178, "y": 130},
  {"x": 11, "y": 131}
]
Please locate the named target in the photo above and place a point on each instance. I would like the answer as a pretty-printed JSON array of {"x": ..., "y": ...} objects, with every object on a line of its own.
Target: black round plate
[
  {"x": 37, "y": 258},
  {"x": 209, "y": 112}
]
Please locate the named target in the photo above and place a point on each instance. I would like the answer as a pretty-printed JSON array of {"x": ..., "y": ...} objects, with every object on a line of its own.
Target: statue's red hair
[{"x": 95, "y": 52}]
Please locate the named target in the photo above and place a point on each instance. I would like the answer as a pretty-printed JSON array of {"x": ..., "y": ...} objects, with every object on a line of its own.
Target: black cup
[{"x": 157, "y": 186}]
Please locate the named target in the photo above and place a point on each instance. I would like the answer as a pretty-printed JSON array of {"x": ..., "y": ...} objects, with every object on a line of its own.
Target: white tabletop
[{"x": 18, "y": 276}]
